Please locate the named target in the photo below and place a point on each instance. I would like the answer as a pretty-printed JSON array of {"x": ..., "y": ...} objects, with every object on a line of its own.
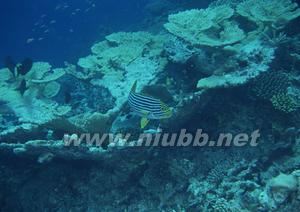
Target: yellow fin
[
  {"x": 133, "y": 88},
  {"x": 166, "y": 109},
  {"x": 144, "y": 122}
]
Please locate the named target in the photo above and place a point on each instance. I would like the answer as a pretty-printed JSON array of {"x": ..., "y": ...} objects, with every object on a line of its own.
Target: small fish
[
  {"x": 29, "y": 40},
  {"x": 52, "y": 22},
  {"x": 57, "y": 7},
  {"x": 45, "y": 158},
  {"x": 147, "y": 107},
  {"x": 22, "y": 87}
]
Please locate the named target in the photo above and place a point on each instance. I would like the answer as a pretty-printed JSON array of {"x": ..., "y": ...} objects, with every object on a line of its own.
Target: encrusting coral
[{"x": 277, "y": 190}]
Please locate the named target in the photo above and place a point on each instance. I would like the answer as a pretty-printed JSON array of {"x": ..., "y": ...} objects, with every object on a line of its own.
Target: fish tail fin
[
  {"x": 167, "y": 110},
  {"x": 133, "y": 88}
]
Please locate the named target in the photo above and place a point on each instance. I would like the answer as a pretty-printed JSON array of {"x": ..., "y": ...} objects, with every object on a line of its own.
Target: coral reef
[
  {"x": 36, "y": 105},
  {"x": 284, "y": 103},
  {"x": 256, "y": 59},
  {"x": 178, "y": 51},
  {"x": 210, "y": 27},
  {"x": 269, "y": 13},
  {"x": 121, "y": 58},
  {"x": 277, "y": 190}
]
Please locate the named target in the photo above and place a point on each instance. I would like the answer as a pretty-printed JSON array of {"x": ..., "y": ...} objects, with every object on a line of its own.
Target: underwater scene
[{"x": 150, "y": 106}]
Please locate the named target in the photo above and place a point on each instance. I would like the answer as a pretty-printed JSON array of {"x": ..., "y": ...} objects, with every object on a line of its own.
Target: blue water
[{"x": 58, "y": 31}]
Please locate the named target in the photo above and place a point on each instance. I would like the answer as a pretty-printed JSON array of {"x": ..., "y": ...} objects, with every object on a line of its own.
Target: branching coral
[
  {"x": 222, "y": 205},
  {"x": 178, "y": 51}
]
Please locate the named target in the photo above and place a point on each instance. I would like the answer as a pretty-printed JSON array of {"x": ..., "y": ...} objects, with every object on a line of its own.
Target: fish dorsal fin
[
  {"x": 133, "y": 88},
  {"x": 144, "y": 122}
]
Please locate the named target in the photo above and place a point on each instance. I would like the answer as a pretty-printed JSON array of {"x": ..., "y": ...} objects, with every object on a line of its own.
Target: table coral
[
  {"x": 277, "y": 190},
  {"x": 120, "y": 49},
  {"x": 209, "y": 27},
  {"x": 274, "y": 13}
]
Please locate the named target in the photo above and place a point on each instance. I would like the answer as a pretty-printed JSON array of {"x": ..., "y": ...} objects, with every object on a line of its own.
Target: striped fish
[{"x": 147, "y": 107}]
